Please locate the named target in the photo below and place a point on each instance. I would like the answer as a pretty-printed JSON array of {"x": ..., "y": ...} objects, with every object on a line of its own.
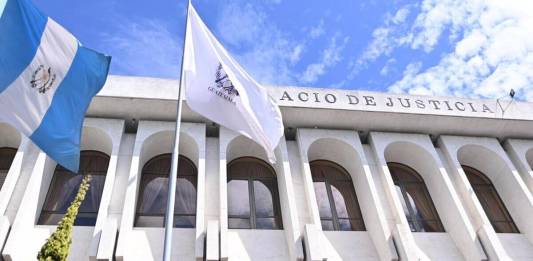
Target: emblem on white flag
[
  {"x": 43, "y": 78},
  {"x": 223, "y": 86}
]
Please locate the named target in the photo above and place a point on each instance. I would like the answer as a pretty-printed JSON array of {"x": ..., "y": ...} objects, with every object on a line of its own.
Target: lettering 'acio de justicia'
[{"x": 422, "y": 103}]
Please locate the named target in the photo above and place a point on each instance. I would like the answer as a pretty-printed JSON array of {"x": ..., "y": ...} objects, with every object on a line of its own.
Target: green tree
[{"x": 57, "y": 245}]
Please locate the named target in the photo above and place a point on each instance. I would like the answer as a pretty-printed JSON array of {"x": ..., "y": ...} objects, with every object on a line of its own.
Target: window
[
  {"x": 335, "y": 195},
  {"x": 253, "y": 200},
  {"x": 6, "y": 157},
  {"x": 490, "y": 201},
  {"x": 414, "y": 196},
  {"x": 153, "y": 193},
  {"x": 64, "y": 187}
]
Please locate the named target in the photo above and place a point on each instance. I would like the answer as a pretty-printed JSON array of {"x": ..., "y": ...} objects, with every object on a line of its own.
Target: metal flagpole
[{"x": 169, "y": 215}]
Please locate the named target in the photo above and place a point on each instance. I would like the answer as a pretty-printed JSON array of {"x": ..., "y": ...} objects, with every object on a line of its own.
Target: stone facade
[{"x": 131, "y": 121}]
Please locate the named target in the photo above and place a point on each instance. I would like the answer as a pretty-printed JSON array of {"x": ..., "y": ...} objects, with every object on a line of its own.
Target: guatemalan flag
[{"x": 47, "y": 80}]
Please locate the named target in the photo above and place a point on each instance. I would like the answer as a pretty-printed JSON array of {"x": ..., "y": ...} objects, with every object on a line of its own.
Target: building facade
[{"x": 359, "y": 176}]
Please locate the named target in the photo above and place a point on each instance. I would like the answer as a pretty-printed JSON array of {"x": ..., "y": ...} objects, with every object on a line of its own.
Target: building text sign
[{"x": 386, "y": 102}]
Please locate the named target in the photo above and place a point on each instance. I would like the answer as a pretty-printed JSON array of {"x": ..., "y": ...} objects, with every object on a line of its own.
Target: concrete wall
[
  {"x": 468, "y": 234},
  {"x": 98, "y": 134},
  {"x": 418, "y": 152},
  {"x": 345, "y": 149},
  {"x": 152, "y": 139},
  {"x": 488, "y": 156}
]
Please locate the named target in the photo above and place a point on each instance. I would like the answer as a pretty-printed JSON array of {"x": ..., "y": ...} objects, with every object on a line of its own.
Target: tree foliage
[{"x": 57, "y": 245}]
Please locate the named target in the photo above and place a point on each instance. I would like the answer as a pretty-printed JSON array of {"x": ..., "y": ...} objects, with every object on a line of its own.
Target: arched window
[
  {"x": 6, "y": 157},
  {"x": 153, "y": 193},
  {"x": 64, "y": 187},
  {"x": 490, "y": 201},
  {"x": 414, "y": 196},
  {"x": 253, "y": 200},
  {"x": 335, "y": 195}
]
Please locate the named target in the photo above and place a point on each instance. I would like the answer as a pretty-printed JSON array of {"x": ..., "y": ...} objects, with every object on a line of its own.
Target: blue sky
[{"x": 468, "y": 48}]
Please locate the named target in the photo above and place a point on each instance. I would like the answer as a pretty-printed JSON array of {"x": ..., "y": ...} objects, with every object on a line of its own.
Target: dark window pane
[
  {"x": 263, "y": 198},
  {"x": 431, "y": 226},
  {"x": 150, "y": 221},
  {"x": 475, "y": 177},
  {"x": 47, "y": 218},
  {"x": 62, "y": 191},
  {"x": 85, "y": 219},
  {"x": 65, "y": 185},
  {"x": 412, "y": 226},
  {"x": 490, "y": 201},
  {"x": 184, "y": 221},
  {"x": 340, "y": 203},
  {"x": 351, "y": 225},
  {"x": 504, "y": 227},
  {"x": 335, "y": 195},
  {"x": 345, "y": 200},
  {"x": 415, "y": 199},
  {"x": 358, "y": 225},
  {"x": 251, "y": 177},
  {"x": 3, "y": 176},
  {"x": 327, "y": 225},
  {"x": 91, "y": 203},
  {"x": 266, "y": 223},
  {"x": 153, "y": 193},
  {"x": 6, "y": 158},
  {"x": 404, "y": 203},
  {"x": 324, "y": 208},
  {"x": 153, "y": 196},
  {"x": 421, "y": 202},
  {"x": 239, "y": 223},
  {"x": 238, "y": 199},
  {"x": 82, "y": 219},
  {"x": 185, "y": 202},
  {"x": 345, "y": 225}
]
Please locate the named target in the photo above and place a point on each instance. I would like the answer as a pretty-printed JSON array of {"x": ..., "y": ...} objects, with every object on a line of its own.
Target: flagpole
[{"x": 169, "y": 215}]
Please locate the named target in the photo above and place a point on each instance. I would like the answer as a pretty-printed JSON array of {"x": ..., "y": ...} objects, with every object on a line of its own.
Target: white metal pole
[{"x": 169, "y": 215}]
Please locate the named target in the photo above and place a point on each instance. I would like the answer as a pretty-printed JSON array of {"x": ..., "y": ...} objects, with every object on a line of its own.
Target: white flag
[{"x": 219, "y": 89}]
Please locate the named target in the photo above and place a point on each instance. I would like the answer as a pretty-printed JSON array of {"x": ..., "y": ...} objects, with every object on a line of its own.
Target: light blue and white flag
[{"x": 47, "y": 80}]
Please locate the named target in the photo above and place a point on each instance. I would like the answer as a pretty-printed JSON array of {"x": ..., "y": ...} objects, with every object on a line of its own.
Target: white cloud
[
  {"x": 143, "y": 47},
  {"x": 241, "y": 24},
  {"x": 388, "y": 67},
  {"x": 493, "y": 54},
  {"x": 384, "y": 40},
  {"x": 400, "y": 15},
  {"x": 273, "y": 1},
  {"x": 318, "y": 30},
  {"x": 296, "y": 54},
  {"x": 330, "y": 57},
  {"x": 265, "y": 51}
]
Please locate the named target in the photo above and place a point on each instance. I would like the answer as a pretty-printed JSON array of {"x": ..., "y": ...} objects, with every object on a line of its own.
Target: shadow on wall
[
  {"x": 484, "y": 160},
  {"x": 529, "y": 158},
  {"x": 339, "y": 152},
  {"x": 414, "y": 156},
  {"x": 241, "y": 146},
  {"x": 162, "y": 142}
]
